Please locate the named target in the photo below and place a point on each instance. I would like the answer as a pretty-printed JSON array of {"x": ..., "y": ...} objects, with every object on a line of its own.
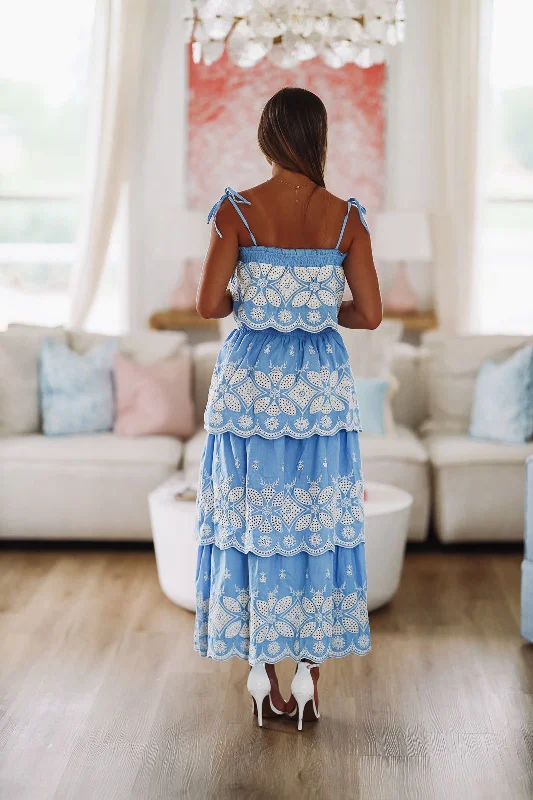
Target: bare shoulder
[
  {"x": 226, "y": 212},
  {"x": 337, "y": 209},
  {"x": 337, "y": 205}
]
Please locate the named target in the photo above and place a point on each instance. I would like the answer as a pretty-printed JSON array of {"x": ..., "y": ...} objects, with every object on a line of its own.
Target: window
[
  {"x": 44, "y": 58},
  {"x": 505, "y": 272}
]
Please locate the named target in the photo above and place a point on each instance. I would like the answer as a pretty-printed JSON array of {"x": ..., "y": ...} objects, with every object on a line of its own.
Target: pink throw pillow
[{"x": 154, "y": 399}]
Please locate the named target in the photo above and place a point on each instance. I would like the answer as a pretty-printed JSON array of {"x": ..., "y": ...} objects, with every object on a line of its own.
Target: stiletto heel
[
  {"x": 258, "y": 684},
  {"x": 303, "y": 691}
]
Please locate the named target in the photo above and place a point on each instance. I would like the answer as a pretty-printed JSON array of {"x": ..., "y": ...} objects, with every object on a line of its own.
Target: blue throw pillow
[
  {"x": 502, "y": 410},
  {"x": 77, "y": 390},
  {"x": 371, "y": 395}
]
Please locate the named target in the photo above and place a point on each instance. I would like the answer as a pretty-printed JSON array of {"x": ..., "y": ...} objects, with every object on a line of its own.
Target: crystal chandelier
[{"x": 290, "y": 31}]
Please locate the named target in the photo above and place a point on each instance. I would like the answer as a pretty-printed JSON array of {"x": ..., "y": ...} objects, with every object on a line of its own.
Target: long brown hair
[{"x": 293, "y": 132}]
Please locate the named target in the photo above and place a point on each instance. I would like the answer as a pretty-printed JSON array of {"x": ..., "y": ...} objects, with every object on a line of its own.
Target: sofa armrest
[
  {"x": 204, "y": 356},
  {"x": 527, "y": 563},
  {"x": 528, "y": 525}
]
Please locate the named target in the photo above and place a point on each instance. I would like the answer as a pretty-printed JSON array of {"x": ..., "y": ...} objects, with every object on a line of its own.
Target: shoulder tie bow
[
  {"x": 362, "y": 211},
  {"x": 234, "y": 198}
]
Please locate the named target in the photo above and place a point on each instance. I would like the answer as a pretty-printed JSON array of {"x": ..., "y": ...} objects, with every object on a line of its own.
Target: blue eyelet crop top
[{"x": 286, "y": 288}]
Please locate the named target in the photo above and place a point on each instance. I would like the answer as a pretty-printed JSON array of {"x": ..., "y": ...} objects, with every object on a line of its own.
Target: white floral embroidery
[
  {"x": 312, "y": 622},
  {"x": 266, "y": 618},
  {"x": 302, "y": 515},
  {"x": 306, "y": 398},
  {"x": 347, "y": 505},
  {"x": 316, "y": 502},
  {"x": 288, "y": 297},
  {"x": 265, "y": 508},
  {"x": 274, "y": 401}
]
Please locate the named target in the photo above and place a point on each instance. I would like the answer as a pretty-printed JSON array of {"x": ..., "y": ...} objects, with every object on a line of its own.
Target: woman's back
[{"x": 288, "y": 212}]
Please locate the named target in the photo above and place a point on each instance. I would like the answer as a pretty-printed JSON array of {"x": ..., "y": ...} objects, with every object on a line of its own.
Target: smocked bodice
[{"x": 287, "y": 289}]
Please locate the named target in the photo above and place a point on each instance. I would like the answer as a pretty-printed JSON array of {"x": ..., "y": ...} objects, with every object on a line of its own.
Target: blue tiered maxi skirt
[{"x": 281, "y": 564}]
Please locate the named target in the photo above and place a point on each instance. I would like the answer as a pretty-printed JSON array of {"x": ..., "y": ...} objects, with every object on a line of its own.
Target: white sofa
[
  {"x": 75, "y": 487},
  {"x": 96, "y": 487},
  {"x": 478, "y": 487}
]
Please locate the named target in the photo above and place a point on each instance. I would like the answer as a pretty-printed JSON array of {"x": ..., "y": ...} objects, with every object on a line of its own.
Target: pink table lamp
[{"x": 401, "y": 237}]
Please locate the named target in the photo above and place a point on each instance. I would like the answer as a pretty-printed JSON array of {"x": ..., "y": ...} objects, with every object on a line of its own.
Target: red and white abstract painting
[{"x": 225, "y": 104}]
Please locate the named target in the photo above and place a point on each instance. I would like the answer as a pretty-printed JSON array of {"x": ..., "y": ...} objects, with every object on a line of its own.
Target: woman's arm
[
  {"x": 365, "y": 309},
  {"x": 213, "y": 300}
]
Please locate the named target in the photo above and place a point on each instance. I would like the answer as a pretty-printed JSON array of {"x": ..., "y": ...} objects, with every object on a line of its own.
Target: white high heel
[
  {"x": 258, "y": 684},
  {"x": 303, "y": 690}
]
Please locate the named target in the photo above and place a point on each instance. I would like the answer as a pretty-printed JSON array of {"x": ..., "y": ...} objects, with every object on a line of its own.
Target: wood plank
[{"x": 103, "y": 697}]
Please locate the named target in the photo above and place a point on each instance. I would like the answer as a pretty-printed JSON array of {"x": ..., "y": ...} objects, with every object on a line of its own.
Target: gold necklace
[{"x": 295, "y": 186}]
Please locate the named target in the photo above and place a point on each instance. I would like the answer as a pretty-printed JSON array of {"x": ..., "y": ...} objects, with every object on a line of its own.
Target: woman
[{"x": 281, "y": 565}]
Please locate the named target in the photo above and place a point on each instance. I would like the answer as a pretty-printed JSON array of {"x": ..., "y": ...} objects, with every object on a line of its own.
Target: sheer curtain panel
[
  {"x": 456, "y": 93},
  {"x": 119, "y": 31}
]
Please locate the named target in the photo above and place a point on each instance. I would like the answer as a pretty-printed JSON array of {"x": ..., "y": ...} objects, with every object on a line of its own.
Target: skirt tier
[{"x": 281, "y": 563}]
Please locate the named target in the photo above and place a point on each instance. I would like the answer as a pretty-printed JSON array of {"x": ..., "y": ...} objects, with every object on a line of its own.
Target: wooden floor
[{"x": 102, "y": 697}]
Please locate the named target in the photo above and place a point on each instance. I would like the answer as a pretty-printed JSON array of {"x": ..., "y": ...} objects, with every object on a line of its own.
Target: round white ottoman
[
  {"x": 387, "y": 511},
  {"x": 174, "y": 541}
]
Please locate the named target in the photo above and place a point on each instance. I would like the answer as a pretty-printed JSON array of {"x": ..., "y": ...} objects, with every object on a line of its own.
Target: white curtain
[
  {"x": 119, "y": 30},
  {"x": 456, "y": 98}
]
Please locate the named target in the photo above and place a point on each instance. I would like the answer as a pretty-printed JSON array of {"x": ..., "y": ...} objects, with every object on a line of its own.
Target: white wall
[{"x": 163, "y": 232}]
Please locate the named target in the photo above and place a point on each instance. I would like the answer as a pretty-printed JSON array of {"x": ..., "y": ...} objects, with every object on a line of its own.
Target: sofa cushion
[
  {"x": 457, "y": 450},
  {"x": 371, "y": 352},
  {"x": 403, "y": 446},
  {"x": 91, "y": 449},
  {"x": 82, "y": 487},
  {"x": 502, "y": 408},
  {"x": 145, "y": 347},
  {"x": 77, "y": 390},
  {"x": 20, "y": 348},
  {"x": 450, "y": 372},
  {"x": 478, "y": 489},
  {"x": 154, "y": 398},
  {"x": 372, "y": 399}
]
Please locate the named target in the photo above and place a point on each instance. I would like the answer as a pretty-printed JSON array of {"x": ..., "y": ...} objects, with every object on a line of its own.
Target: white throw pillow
[
  {"x": 20, "y": 348},
  {"x": 451, "y": 369}
]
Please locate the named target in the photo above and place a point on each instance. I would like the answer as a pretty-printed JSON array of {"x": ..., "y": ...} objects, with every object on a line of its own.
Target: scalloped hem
[
  {"x": 258, "y": 431},
  {"x": 303, "y": 547},
  {"x": 298, "y": 325},
  {"x": 353, "y": 650}
]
